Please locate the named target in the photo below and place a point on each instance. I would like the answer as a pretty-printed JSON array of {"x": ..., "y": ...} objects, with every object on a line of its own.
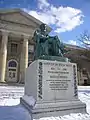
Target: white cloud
[
  {"x": 72, "y": 42},
  {"x": 63, "y": 18},
  {"x": 46, "y": 18},
  {"x": 43, "y": 4}
]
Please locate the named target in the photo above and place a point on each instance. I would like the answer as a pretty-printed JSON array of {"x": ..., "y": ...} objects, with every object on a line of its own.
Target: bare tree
[{"x": 84, "y": 39}]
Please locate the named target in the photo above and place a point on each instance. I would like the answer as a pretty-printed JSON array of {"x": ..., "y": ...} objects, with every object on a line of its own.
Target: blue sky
[{"x": 68, "y": 18}]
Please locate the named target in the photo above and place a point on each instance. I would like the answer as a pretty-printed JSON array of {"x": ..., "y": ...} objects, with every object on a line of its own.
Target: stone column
[
  {"x": 24, "y": 59},
  {"x": 3, "y": 56}
]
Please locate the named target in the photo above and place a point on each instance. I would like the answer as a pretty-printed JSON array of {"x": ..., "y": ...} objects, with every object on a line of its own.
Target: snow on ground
[
  {"x": 84, "y": 96},
  {"x": 10, "y": 108}
]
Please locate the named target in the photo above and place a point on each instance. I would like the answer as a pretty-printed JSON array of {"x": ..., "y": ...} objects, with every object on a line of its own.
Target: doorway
[{"x": 12, "y": 71}]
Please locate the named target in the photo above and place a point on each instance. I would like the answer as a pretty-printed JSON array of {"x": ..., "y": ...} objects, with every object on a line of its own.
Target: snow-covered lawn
[{"x": 10, "y": 109}]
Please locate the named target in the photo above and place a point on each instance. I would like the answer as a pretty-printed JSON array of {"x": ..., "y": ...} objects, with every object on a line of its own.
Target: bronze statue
[{"x": 46, "y": 45}]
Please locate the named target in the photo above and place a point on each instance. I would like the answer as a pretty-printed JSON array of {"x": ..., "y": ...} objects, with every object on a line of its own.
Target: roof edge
[{"x": 20, "y": 10}]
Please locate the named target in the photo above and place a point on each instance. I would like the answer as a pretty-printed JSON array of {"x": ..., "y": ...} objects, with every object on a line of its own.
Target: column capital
[{"x": 5, "y": 33}]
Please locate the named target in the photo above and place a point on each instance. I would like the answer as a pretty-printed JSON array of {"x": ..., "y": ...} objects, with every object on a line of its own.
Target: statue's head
[{"x": 43, "y": 27}]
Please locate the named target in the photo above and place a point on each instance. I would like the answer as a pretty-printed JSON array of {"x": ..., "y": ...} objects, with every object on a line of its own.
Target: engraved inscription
[{"x": 58, "y": 76}]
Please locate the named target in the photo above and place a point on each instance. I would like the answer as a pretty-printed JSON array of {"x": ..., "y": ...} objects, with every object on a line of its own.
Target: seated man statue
[{"x": 46, "y": 45}]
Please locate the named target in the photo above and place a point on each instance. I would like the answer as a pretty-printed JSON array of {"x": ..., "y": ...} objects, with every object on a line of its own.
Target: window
[
  {"x": 30, "y": 56},
  {"x": 13, "y": 48},
  {"x": 84, "y": 72},
  {"x": 85, "y": 81},
  {"x": 12, "y": 64},
  {"x": 31, "y": 48}
]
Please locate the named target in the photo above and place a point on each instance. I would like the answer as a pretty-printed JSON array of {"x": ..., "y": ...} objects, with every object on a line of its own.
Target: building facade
[
  {"x": 78, "y": 55},
  {"x": 16, "y": 31}
]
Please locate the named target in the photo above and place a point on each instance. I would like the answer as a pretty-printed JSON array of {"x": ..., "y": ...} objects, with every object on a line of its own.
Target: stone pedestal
[{"x": 51, "y": 89}]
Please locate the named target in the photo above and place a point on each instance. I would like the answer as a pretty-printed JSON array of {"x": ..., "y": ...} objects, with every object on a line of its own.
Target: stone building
[
  {"x": 16, "y": 31},
  {"x": 81, "y": 57}
]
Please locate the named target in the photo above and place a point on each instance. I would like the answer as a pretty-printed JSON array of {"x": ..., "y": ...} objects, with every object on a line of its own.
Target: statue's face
[{"x": 43, "y": 27}]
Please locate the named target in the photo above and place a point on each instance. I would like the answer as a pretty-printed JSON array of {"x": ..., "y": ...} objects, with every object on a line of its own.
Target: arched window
[{"x": 12, "y": 64}]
